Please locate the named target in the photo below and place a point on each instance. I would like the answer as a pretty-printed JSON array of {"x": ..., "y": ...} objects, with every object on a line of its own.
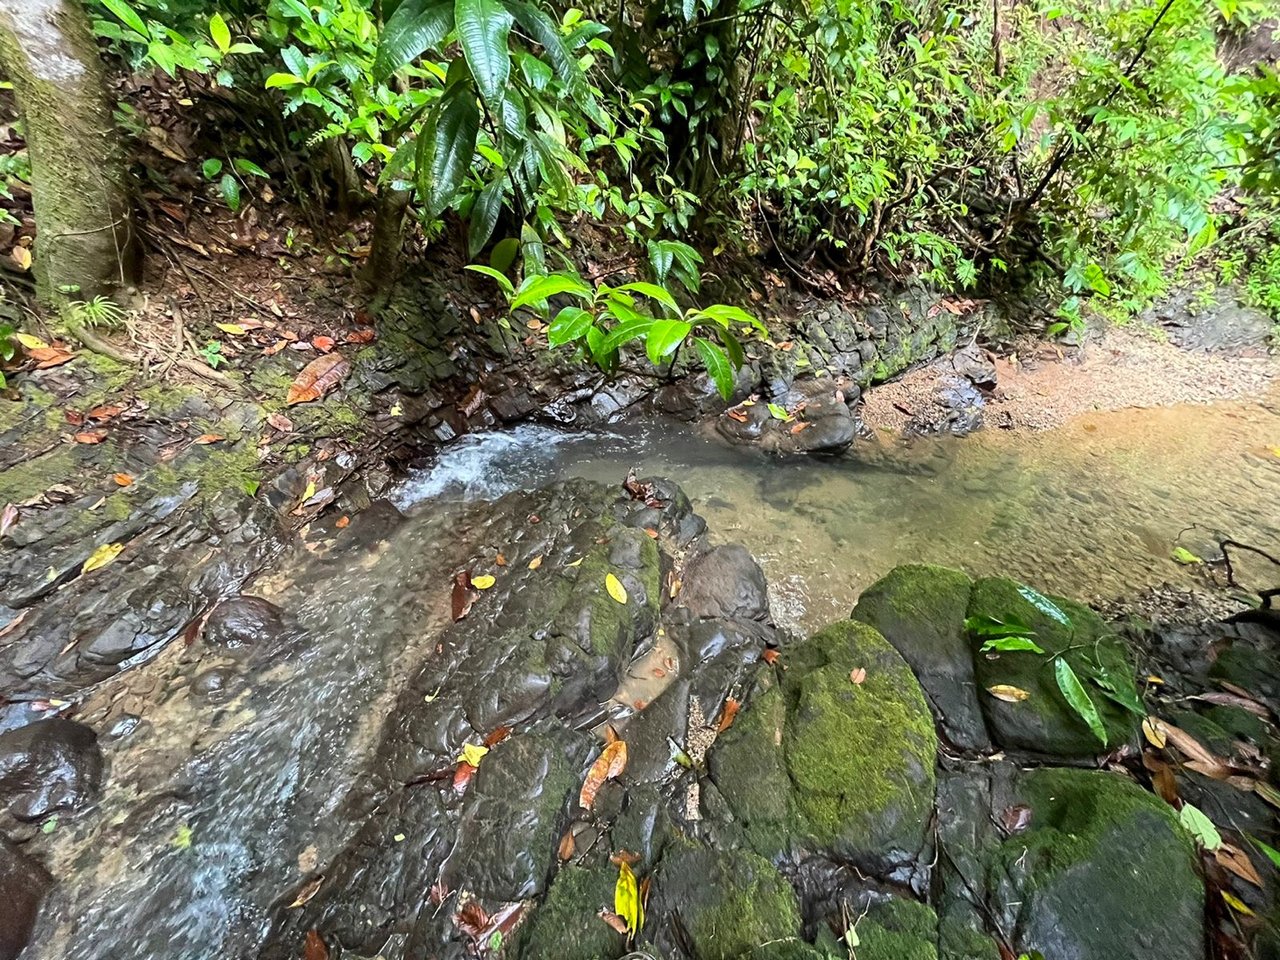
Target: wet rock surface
[
  {"x": 48, "y": 767},
  {"x": 1215, "y": 320},
  {"x": 23, "y": 883}
]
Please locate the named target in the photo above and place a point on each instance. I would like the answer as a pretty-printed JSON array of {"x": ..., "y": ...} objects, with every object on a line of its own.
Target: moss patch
[
  {"x": 568, "y": 925},
  {"x": 898, "y": 930}
]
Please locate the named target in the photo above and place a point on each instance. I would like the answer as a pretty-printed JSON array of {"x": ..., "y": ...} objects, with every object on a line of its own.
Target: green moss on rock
[
  {"x": 898, "y": 930},
  {"x": 567, "y": 925}
]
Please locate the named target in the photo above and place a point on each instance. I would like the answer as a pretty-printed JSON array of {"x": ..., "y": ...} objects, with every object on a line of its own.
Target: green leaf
[
  {"x": 546, "y": 32},
  {"x": 1269, "y": 851},
  {"x": 1121, "y": 691},
  {"x": 1185, "y": 557},
  {"x": 211, "y": 168},
  {"x": 1199, "y": 826},
  {"x": 625, "y": 332},
  {"x": 484, "y": 216},
  {"x": 718, "y": 367},
  {"x": 723, "y": 314},
  {"x": 504, "y": 253},
  {"x": 779, "y": 413},
  {"x": 1078, "y": 698},
  {"x": 416, "y": 27},
  {"x": 1011, "y": 644},
  {"x": 220, "y": 33},
  {"x": 127, "y": 16},
  {"x": 282, "y": 80},
  {"x": 733, "y": 348},
  {"x": 449, "y": 140},
  {"x": 654, "y": 292},
  {"x": 483, "y": 27},
  {"x": 229, "y": 187},
  {"x": 570, "y": 324},
  {"x": 985, "y": 626},
  {"x": 248, "y": 167},
  {"x": 496, "y": 275},
  {"x": 1044, "y": 605},
  {"x": 665, "y": 337},
  {"x": 537, "y": 289}
]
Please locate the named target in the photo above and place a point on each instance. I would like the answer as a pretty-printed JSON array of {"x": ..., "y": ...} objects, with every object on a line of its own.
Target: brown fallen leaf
[
  {"x": 770, "y": 656},
  {"x": 735, "y": 414},
  {"x": 858, "y": 676},
  {"x": 1195, "y": 751},
  {"x": 73, "y": 417},
  {"x": 801, "y": 425},
  {"x": 307, "y": 892},
  {"x": 280, "y": 422},
  {"x": 1016, "y": 819},
  {"x": 471, "y": 919},
  {"x": 616, "y": 922},
  {"x": 1163, "y": 782},
  {"x": 731, "y": 708},
  {"x": 651, "y": 533},
  {"x": 497, "y": 736},
  {"x": 314, "y": 948},
  {"x": 122, "y": 479},
  {"x": 343, "y": 522},
  {"x": 463, "y": 595},
  {"x": 567, "y": 846},
  {"x": 610, "y": 764},
  {"x": 51, "y": 356},
  {"x": 1232, "y": 858},
  {"x": 323, "y": 344},
  {"x": 361, "y": 336},
  {"x": 105, "y": 412},
  {"x": 91, "y": 436},
  {"x": 207, "y": 438},
  {"x": 8, "y": 517},
  {"x": 317, "y": 378},
  {"x": 610, "y": 734},
  {"x": 1235, "y": 700},
  {"x": 462, "y": 776}
]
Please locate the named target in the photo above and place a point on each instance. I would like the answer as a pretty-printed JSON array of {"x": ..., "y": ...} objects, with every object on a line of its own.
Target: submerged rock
[
  {"x": 243, "y": 622},
  {"x": 725, "y": 582},
  {"x": 47, "y": 767},
  {"x": 23, "y": 884}
]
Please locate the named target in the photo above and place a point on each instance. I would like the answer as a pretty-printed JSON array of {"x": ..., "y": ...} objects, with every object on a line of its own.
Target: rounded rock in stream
[
  {"x": 48, "y": 766},
  {"x": 23, "y": 883},
  {"x": 726, "y": 582},
  {"x": 243, "y": 622}
]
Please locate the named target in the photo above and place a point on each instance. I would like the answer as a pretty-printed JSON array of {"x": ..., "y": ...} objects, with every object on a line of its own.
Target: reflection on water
[{"x": 1091, "y": 509}]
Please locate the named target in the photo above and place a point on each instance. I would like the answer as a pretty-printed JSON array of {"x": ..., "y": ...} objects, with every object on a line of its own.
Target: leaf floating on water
[
  {"x": 1232, "y": 858},
  {"x": 314, "y": 948},
  {"x": 731, "y": 708},
  {"x": 615, "y": 588},
  {"x": 472, "y": 753},
  {"x": 610, "y": 764},
  {"x": 483, "y": 582},
  {"x": 1185, "y": 557},
  {"x": 1044, "y": 605},
  {"x": 1078, "y": 698},
  {"x": 1200, "y": 827},
  {"x": 102, "y": 556},
  {"x": 1007, "y": 693},
  {"x": 626, "y": 900},
  {"x": 1236, "y": 903},
  {"x": 1153, "y": 730},
  {"x": 317, "y": 378}
]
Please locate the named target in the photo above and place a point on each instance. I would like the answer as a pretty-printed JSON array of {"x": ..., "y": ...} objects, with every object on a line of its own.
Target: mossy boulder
[
  {"x": 921, "y": 610},
  {"x": 821, "y": 762},
  {"x": 898, "y": 930},
  {"x": 727, "y": 901},
  {"x": 567, "y": 925},
  {"x": 1044, "y": 722},
  {"x": 1104, "y": 871},
  {"x": 791, "y": 949}
]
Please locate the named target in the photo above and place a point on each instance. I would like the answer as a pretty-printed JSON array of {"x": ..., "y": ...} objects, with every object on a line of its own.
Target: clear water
[{"x": 1092, "y": 509}]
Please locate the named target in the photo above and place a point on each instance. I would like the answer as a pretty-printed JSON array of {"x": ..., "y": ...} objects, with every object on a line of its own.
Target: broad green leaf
[
  {"x": 504, "y": 253},
  {"x": 571, "y": 323},
  {"x": 1120, "y": 690},
  {"x": 733, "y": 348},
  {"x": 1199, "y": 826},
  {"x": 450, "y": 145},
  {"x": 229, "y": 187},
  {"x": 248, "y": 167},
  {"x": 484, "y": 216},
  {"x": 283, "y": 80},
  {"x": 665, "y": 337},
  {"x": 1078, "y": 698},
  {"x": 779, "y": 412},
  {"x": 625, "y": 332},
  {"x": 496, "y": 275},
  {"x": 1186, "y": 557},
  {"x": 1044, "y": 605},
  {"x": 211, "y": 167},
  {"x": 718, "y": 367},
  {"x": 416, "y": 27},
  {"x": 220, "y": 32},
  {"x": 660, "y": 258},
  {"x": 546, "y": 32},
  {"x": 537, "y": 289},
  {"x": 985, "y": 626},
  {"x": 127, "y": 16},
  {"x": 654, "y": 292},
  {"x": 723, "y": 314},
  {"x": 1011, "y": 644},
  {"x": 482, "y": 28},
  {"x": 1271, "y": 852}
]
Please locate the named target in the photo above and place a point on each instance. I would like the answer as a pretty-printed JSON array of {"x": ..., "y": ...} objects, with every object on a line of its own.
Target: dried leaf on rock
[
  {"x": 611, "y": 762},
  {"x": 323, "y": 344},
  {"x": 317, "y": 378},
  {"x": 280, "y": 422},
  {"x": 122, "y": 479},
  {"x": 535, "y": 563},
  {"x": 731, "y": 707},
  {"x": 1008, "y": 693},
  {"x": 497, "y": 736},
  {"x": 102, "y": 556},
  {"x": 858, "y": 676},
  {"x": 1162, "y": 779},
  {"x": 1232, "y": 858},
  {"x": 483, "y": 582},
  {"x": 91, "y": 436},
  {"x": 107, "y": 411},
  {"x": 615, "y": 921},
  {"x": 472, "y": 919},
  {"x": 343, "y": 522},
  {"x": 463, "y": 595},
  {"x": 314, "y": 948},
  {"x": 770, "y": 656},
  {"x": 307, "y": 892},
  {"x": 462, "y": 776},
  {"x": 567, "y": 846},
  {"x": 207, "y": 438}
]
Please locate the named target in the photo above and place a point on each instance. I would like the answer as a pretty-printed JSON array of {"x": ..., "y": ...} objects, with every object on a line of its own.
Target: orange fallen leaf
[
  {"x": 858, "y": 676},
  {"x": 462, "y": 776},
  {"x": 651, "y": 533},
  {"x": 122, "y": 479},
  {"x": 91, "y": 436},
  {"x": 361, "y": 336},
  {"x": 802, "y": 425},
  {"x": 1237, "y": 861},
  {"x": 105, "y": 412},
  {"x": 731, "y": 708},
  {"x": 499, "y": 734},
  {"x": 610, "y": 764},
  {"x": 343, "y": 522},
  {"x": 610, "y": 734},
  {"x": 206, "y": 438},
  {"x": 739, "y": 415},
  {"x": 314, "y": 948},
  {"x": 770, "y": 656},
  {"x": 616, "y": 922},
  {"x": 317, "y": 378},
  {"x": 567, "y": 846},
  {"x": 280, "y": 422},
  {"x": 323, "y": 344}
]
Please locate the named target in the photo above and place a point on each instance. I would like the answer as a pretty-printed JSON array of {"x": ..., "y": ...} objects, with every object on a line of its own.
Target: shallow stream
[{"x": 1092, "y": 509}]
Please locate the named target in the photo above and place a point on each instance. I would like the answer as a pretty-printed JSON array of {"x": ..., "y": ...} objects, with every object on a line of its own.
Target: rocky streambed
[{"x": 378, "y": 746}]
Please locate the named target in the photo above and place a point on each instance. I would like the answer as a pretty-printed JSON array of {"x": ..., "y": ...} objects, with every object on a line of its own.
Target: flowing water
[{"x": 1092, "y": 509}]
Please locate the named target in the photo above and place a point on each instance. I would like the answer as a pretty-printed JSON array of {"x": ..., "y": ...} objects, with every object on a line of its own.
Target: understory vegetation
[{"x": 1078, "y": 153}]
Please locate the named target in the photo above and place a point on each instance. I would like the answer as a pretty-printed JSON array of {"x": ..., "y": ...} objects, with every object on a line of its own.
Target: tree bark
[
  {"x": 386, "y": 247},
  {"x": 86, "y": 244}
]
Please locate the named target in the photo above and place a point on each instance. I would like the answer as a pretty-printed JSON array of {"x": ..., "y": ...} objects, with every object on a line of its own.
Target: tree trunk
[
  {"x": 86, "y": 244},
  {"x": 386, "y": 248}
]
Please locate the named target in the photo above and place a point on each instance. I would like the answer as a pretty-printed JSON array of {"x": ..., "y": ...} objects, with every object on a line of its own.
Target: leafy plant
[
  {"x": 211, "y": 353},
  {"x": 98, "y": 312},
  {"x": 8, "y": 348}
]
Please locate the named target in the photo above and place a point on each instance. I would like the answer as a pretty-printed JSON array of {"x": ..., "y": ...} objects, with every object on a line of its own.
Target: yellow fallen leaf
[
  {"x": 30, "y": 342},
  {"x": 483, "y": 582},
  {"x": 535, "y": 563},
  {"x": 626, "y": 899},
  {"x": 473, "y": 753},
  {"x": 1275, "y": 451},
  {"x": 232, "y": 328},
  {"x": 1234, "y": 902},
  {"x": 102, "y": 556},
  {"x": 1153, "y": 730},
  {"x": 616, "y": 589},
  {"x": 1002, "y": 691},
  {"x": 22, "y": 257},
  {"x": 576, "y": 563},
  {"x": 182, "y": 838}
]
